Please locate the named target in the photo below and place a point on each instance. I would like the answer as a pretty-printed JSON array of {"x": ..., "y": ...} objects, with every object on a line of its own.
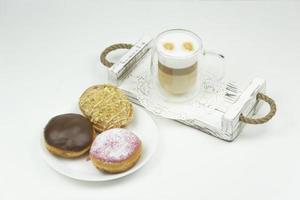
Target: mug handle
[
  {"x": 207, "y": 52},
  {"x": 214, "y": 73}
]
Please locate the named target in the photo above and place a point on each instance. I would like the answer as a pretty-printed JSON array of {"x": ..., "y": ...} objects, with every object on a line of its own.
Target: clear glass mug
[{"x": 180, "y": 66}]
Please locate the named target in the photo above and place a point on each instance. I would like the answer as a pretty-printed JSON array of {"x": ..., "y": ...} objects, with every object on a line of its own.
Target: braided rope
[
  {"x": 113, "y": 47},
  {"x": 264, "y": 119}
]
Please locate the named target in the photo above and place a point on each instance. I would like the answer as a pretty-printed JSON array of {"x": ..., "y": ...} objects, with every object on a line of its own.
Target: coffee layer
[
  {"x": 177, "y": 72},
  {"x": 177, "y": 81}
]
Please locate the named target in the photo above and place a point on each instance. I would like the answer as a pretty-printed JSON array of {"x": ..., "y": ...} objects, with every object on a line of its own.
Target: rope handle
[
  {"x": 264, "y": 119},
  {"x": 111, "y": 48}
]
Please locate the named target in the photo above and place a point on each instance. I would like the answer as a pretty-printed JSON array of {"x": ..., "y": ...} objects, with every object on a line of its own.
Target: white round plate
[{"x": 83, "y": 169}]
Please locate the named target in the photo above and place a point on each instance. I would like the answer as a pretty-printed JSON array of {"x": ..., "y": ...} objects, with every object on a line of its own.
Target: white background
[{"x": 49, "y": 54}]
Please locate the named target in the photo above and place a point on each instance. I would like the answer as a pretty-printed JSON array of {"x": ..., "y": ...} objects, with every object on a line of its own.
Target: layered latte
[{"x": 178, "y": 52}]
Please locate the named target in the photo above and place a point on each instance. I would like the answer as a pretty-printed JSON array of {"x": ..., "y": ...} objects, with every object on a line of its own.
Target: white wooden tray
[{"x": 223, "y": 118}]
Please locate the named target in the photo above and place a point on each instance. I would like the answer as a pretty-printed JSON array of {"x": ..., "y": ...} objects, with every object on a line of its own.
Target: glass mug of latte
[{"x": 176, "y": 63}]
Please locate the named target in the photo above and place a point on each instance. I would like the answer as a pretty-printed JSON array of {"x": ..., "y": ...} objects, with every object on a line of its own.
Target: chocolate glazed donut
[{"x": 69, "y": 135}]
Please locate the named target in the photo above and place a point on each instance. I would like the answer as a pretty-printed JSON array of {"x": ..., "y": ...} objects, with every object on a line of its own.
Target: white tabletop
[{"x": 49, "y": 54}]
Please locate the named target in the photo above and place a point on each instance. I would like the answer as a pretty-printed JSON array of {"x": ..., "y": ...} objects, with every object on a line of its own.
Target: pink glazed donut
[{"x": 115, "y": 150}]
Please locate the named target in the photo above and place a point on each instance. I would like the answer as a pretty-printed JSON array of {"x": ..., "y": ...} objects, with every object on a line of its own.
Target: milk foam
[{"x": 178, "y": 57}]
